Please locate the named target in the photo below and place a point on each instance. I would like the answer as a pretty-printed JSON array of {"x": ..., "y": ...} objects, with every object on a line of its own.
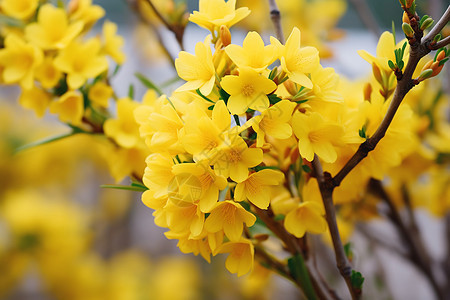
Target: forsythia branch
[{"x": 275, "y": 16}]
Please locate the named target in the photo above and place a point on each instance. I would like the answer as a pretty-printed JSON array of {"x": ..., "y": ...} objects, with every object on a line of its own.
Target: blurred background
[{"x": 64, "y": 237}]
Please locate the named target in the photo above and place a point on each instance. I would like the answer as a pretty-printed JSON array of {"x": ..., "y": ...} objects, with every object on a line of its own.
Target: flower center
[{"x": 248, "y": 90}]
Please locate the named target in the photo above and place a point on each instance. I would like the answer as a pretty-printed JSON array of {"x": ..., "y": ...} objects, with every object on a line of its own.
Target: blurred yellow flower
[
  {"x": 83, "y": 10},
  {"x": 69, "y": 107},
  {"x": 113, "y": 42},
  {"x": 19, "y": 9},
  {"x": 52, "y": 29},
  {"x": 47, "y": 73},
  {"x": 81, "y": 61},
  {"x": 124, "y": 130},
  {"x": 36, "y": 99},
  {"x": 19, "y": 61},
  {"x": 100, "y": 93},
  {"x": 213, "y": 13}
]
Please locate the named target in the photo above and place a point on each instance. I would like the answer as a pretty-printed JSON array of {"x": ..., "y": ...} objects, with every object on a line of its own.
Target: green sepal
[{"x": 224, "y": 95}]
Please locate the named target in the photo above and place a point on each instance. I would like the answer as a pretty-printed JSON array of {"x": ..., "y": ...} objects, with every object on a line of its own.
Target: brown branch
[
  {"x": 178, "y": 31},
  {"x": 275, "y": 16},
  {"x": 366, "y": 16},
  {"x": 446, "y": 263},
  {"x": 417, "y": 254},
  {"x": 438, "y": 27},
  {"x": 342, "y": 262},
  {"x": 442, "y": 43}
]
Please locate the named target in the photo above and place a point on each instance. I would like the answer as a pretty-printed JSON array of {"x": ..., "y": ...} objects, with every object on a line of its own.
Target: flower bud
[
  {"x": 290, "y": 87},
  {"x": 367, "y": 91},
  {"x": 427, "y": 23},
  {"x": 406, "y": 18},
  {"x": 377, "y": 74},
  {"x": 225, "y": 35},
  {"x": 409, "y": 3},
  {"x": 73, "y": 6},
  {"x": 425, "y": 74},
  {"x": 441, "y": 55},
  {"x": 407, "y": 29}
]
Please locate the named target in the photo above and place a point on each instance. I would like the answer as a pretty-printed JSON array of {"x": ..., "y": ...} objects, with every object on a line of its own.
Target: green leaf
[
  {"x": 211, "y": 107},
  {"x": 203, "y": 96},
  {"x": 401, "y": 65},
  {"x": 123, "y": 187},
  {"x": 259, "y": 168},
  {"x": 362, "y": 132},
  {"x": 131, "y": 91},
  {"x": 224, "y": 95},
  {"x": 273, "y": 73},
  {"x": 116, "y": 70},
  {"x": 357, "y": 279},
  {"x": 146, "y": 82},
  {"x": 298, "y": 270},
  {"x": 47, "y": 141},
  {"x": 423, "y": 19},
  {"x": 306, "y": 169},
  {"x": 279, "y": 217},
  {"x": 273, "y": 98},
  {"x": 348, "y": 251},
  {"x": 391, "y": 65},
  {"x": 443, "y": 61}
]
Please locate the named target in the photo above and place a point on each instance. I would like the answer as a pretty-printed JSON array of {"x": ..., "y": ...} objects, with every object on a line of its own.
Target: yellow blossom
[
  {"x": 233, "y": 158},
  {"x": 230, "y": 217},
  {"x": 113, "y": 42},
  {"x": 158, "y": 173},
  {"x": 81, "y": 61},
  {"x": 100, "y": 93},
  {"x": 198, "y": 70},
  {"x": 256, "y": 188},
  {"x": 307, "y": 217},
  {"x": 296, "y": 61},
  {"x": 22, "y": 9},
  {"x": 52, "y": 29},
  {"x": 197, "y": 182},
  {"x": 185, "y": 219},
  {"x": 240, "y": 260},
  {"x": 253, "y": 53},
  {"x": 247, "y": 90},
  {"x": 273, "y": 122},
  {"x": 83, "y": 10},
  {"x": 19, "y": 61},
  {"x": 35, "y": 99},
  {"x": 315, "y": 135},
  {"x": 47, "y": 73},
  {"x": 69, "y": 107},
  {"x": 213, "y": 13},
  {"x": 202, "y": 134},
  {"x": 124, "y": 130}
]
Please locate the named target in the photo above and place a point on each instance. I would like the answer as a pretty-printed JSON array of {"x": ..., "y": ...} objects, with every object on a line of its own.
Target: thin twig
[
  {"x": 438, "y": 27},
  {"x": 275, "y": 16},
  {"x": 342, "y": 262},
  {"x": 178, "y": 31},
  {"x": 416, "y": 253},
  {"x": 446, "y": 263},
  {"x": 442, "y": 43},
  {"x": 377, "y": 240},
  {"x": 366, "y": 16}
]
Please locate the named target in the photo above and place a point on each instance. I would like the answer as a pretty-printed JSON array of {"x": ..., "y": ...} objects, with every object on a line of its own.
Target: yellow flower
[
  {"x": 385, "y": 52},
  {"x": 100, "y": 93},
  {"x": 158, "y": 174},
  {"x": 19, "y": 61},
  {"x": 240, "y": 260},
  {"x": 35, "y": 99},
  {"x": 213, "y": 13},
  {"x": 22, "y": 9},
  {"x": 256, "y": 188},
  {"x": 200, "y": 184},
  {"x": 69, "y": 107},
  {"x": 81, "y": 61},
  {"x": 198, "y": 70},
  {"x": 247, "y": 90},
  {"x": 296, "y": 61},
  {"x": 253, "y": 53},
  {"x": 52, "y": 30},
  {"x": 273, "y": 122},
  {"x": 83, "y": 10},
  {"x": 124, "y": 130},
  {"x": 47, "y": 73},
  {"x": 113, "y": 42},
  {"x": 315, "y": 135},
  {"x": 307, "y": 217},
  {"x": 233, "y": 158},
  {"x": 230, "y": 217},
  {"x": 185, "y": 219},
  {"x": 202, "y": 134}
]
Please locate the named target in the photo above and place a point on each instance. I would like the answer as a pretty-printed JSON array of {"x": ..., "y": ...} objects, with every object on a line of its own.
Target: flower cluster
[{"x": 241, "y": 132}]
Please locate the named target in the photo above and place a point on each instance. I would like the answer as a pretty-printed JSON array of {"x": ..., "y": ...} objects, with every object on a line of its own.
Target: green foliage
[
  {"x": 298, "y": 270},
  {"x": 148, "y": 83},
  {"x": 357, "y": 279}
]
